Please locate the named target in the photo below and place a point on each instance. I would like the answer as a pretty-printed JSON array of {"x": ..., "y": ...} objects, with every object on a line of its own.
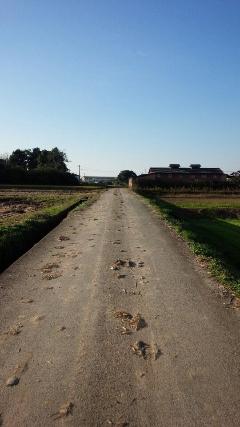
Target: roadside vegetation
[
  {"x": 124, "y": 176},
  {"x": 26, "y": 216},
  {"x": 211, "y": 226}
]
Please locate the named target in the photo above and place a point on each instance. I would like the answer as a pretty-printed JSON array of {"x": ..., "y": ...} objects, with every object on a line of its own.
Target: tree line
[{"x": 36, "y": 166}]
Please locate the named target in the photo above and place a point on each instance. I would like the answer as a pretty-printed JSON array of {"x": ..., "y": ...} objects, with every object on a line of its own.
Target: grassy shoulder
[
  {"x": 21, "y": 228},
  {"x": 215, "y": 241}
]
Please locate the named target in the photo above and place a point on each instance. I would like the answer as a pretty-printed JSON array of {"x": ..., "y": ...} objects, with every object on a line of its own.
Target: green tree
[
  {"x": 33, "y": 158},
  {"x": 59, "y": 159},
  {"x": 19, "y": 158},
  {"x": 124, "y": 176},
  {"x": 54, "y": 159},
  {"x": 4, "y": 159}
]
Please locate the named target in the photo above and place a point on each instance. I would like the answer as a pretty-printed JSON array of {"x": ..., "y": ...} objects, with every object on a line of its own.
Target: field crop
[
  {"x": 26, "y": 216},
  {"x": 211, "y": 226}
]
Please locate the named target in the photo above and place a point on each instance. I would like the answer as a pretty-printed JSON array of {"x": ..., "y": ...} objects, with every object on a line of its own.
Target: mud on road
[{"x": 108, "y": 321}]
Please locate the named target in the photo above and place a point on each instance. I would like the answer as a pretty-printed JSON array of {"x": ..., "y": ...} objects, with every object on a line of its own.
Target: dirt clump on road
[
  {"x": 63, "y": 238},
  {"x": 64, "y": 410},
  {"x": 49, "y": 273},
  {"x": 123, "y": 315},
  {"x": 117, "y": 264},
  {"x": 47, "y": 268},
  {"x": 146, "y": 351},
  {"x": 134, "y": 322},
  {"x": 14, "y": 330},
  {"x": 11, "y": 381}
]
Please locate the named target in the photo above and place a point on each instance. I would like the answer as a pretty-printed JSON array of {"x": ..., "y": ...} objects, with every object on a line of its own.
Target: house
[
  {"x": 175, "y": 174},
  {"x": 98, "y": 179}
]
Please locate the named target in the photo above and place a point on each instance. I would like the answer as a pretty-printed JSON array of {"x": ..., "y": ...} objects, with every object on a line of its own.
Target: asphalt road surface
[{"x": 147, "y": 342}]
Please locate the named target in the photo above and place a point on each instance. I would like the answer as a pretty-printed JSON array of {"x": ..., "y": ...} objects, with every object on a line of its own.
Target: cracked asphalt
[{"x": 74, "y": 356}]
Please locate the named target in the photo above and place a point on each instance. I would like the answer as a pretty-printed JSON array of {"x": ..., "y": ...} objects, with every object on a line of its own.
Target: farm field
[
  {"x": 26, "y": 216},
  {"x": 64, "y": 188},
  {"x": 211, "y": 225},
  {"x": 206, "y": 202}
]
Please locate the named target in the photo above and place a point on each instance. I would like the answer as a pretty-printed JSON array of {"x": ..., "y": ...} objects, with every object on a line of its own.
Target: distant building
[
  {"x": 77, "y": 177},
  {"x": 98, "y": 179},
  {"x": 176, "y": 174}
]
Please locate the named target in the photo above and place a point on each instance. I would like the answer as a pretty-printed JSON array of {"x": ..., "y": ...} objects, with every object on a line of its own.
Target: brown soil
[{"x": 14, "y": 207}]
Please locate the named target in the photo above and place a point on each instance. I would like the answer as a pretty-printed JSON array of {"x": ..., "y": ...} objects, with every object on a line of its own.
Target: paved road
[{"x": 61, "y": 339}]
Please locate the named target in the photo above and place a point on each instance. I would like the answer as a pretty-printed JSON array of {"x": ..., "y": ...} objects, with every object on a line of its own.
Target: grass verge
[{"x": 215, "y": 242}]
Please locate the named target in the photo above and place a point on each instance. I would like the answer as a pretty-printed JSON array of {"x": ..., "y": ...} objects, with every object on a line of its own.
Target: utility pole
[{"x": 79, "y": 172}]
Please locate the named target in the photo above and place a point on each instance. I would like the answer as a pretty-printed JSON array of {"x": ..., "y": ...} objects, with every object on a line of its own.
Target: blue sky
[{"x": 122, "y": 84}]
